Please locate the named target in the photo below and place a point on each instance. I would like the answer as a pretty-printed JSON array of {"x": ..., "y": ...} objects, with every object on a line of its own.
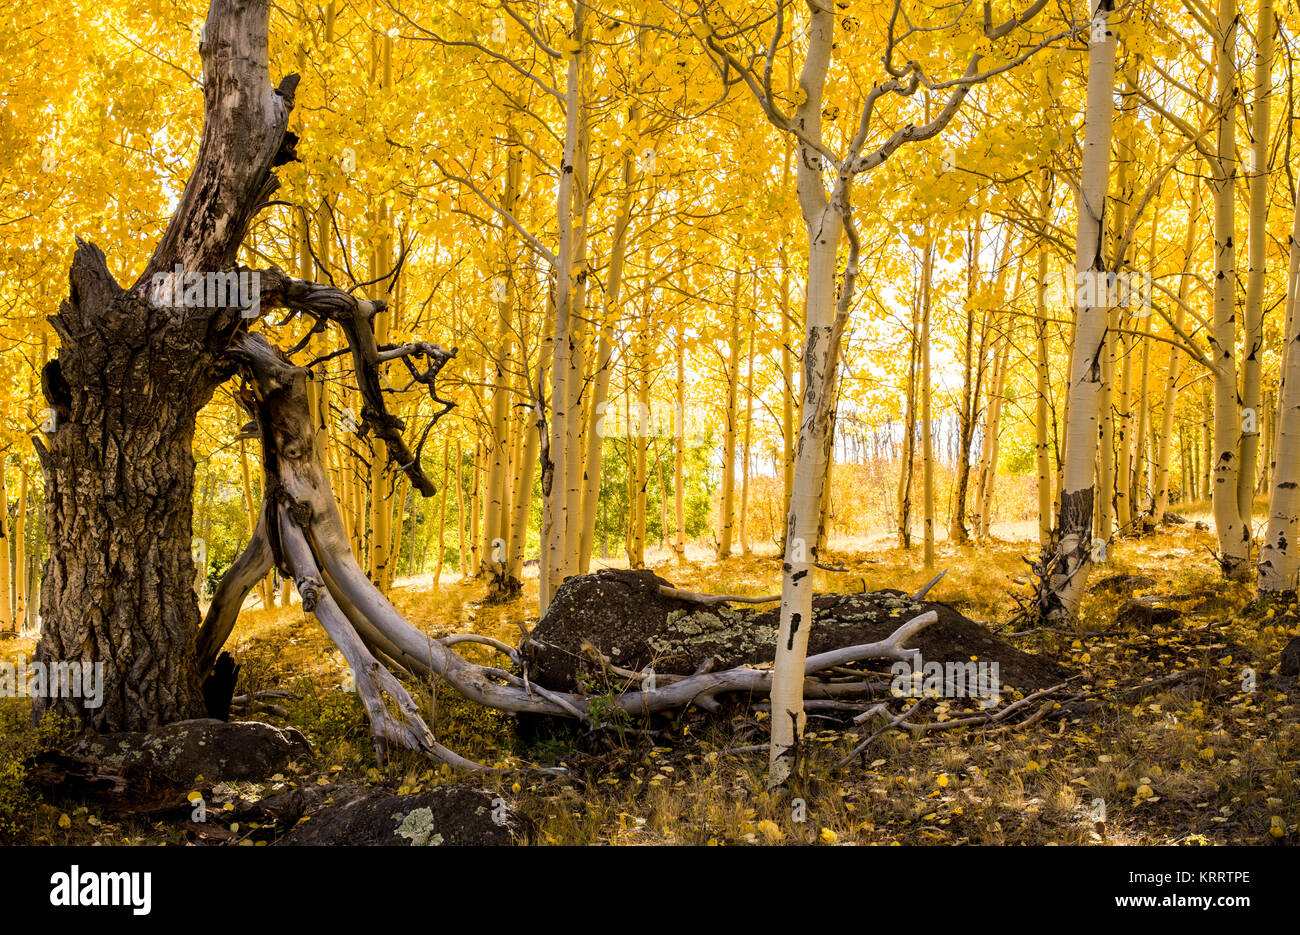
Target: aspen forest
[{"x": 669, "y": 422}]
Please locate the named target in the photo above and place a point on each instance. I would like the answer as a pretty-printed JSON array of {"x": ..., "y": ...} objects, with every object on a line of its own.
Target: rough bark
[{"x": 130, "y": 377}]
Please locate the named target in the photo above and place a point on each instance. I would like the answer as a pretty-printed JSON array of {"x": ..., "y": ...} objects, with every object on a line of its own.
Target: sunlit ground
[{"x": 1214, "y": 765}]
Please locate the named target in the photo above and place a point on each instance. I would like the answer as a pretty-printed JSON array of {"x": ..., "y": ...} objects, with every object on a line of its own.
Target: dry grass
[{"x": 1218, "y": 766}]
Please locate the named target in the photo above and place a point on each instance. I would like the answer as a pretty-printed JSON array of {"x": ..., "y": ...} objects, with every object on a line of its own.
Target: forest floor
[{"x": 1208, "y": 761}]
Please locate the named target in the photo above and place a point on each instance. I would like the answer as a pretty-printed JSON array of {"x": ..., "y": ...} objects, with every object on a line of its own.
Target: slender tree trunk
[
  {"x": 789, "y": 392},
  {"x": 1066, "y": 577},
  {"x": 992, "y": 435},
  {"x": 1105, "y": 508},
  {"x": 476, "y": 506},
  {"x": 1124, "y": 435},
  {"x": 824, "y": 501},
  {"x": 745, "y": 548},
  {"x": 21, "y": 592},
  {"x": 727, "y": 510},
  {"x": 1116, "y": 468},
  {"x": 927, "y": 439},
  {"x": 462, "y": 556},
  {"x": 1279, "y": 553},
  {"x": 641, "y": 482},
  {"x": 679, "y": 445},
  {"x": 556, "y": 547},
  {"x": 1161, "y": 496},
  {"x": 825, "y": 225},
  {"x": 1207, "y": 443},
  {"x": 972, "y": 367},
  {"x": 1138, "y": 488},
  {"x": 1233, "y": 533},
  {"x": 6, "y": 597},
  {"x": 496, "y": 519},
  {"x": 1043, "y": 380},
  {"x": 442, "y": 513},
  {"x": 1252, "y": 370},
  {"x": 906, "y": 461}
]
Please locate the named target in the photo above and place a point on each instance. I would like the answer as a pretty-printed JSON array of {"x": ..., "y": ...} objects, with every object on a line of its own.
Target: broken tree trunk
[{"x": 136, "y": 368}]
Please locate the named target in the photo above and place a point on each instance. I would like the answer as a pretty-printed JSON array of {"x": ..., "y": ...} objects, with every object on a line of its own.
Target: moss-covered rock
[
  {"x": 624, "y": 616},
  {"x": 443, "y": 815}
]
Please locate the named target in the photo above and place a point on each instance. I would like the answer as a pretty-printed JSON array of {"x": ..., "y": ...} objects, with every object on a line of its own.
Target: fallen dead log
[{"x": 301, "y": 532}]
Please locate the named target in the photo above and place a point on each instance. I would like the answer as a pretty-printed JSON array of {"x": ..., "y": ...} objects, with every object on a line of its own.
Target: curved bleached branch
[{"x": 310, "y": 542}]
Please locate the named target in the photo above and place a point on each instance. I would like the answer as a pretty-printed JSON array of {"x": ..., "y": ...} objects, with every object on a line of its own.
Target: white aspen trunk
[
  {"x": 534, "y": 430},
  {"x": 972, "y": 373},
  {"x": 1139, "y": 488},
  {"x": 1233, "y": 534},
  {"x": 1116, "y": 473},
  {"x": 1042, "y": 380},
  {"x": 1279, "y": 554},
  {"x": 1252, "y": 370},
  {"x": 1066, "y": 580},
  {"x": 1267, "y": 443},
  {"x": 1065, "y": 410},
  {"x": 6, "y": 596},
  {"x": 563, "y": 436},
  {"x": 679, "y": 445},
  {"x": 575, "y": 451},
  {"x": 381, "y": 509},
  {"x": 21, "y": 580},
  {"x": 789, "y": 391},
  {"x": 1206, "y": 453},
  {"x": 462, "y": 555},
  {"x": 641, "y": 482},
  {"x": 476, "y": 502},
  {"x": 987, "y": 465},
  {"x": 727, "y": 509},
  {"x": 824, "y": 224},
  {"x": 908, "y": 454},
  {"x": 1105, "y": 504},
  {"x": 745, "y": 549},
  {"x": 993, "y": 430},
  {"x": 1124, "y": 432},
  {"x": 927, "y": 440},
  {"x": 521, "y": 500},
  {"x": 496, "y": 528}
]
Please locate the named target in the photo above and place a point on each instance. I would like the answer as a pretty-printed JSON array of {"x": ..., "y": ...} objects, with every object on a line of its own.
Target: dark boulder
[
  {"x": 443, "y": 815},
  {"x": 1290, "y": 664},
  {"x": 1146, "y": 612},
  {"x": 1123, "y": 584},
  {"x": 623, "y": 615},
  {"x": 215, "y": 750}
]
